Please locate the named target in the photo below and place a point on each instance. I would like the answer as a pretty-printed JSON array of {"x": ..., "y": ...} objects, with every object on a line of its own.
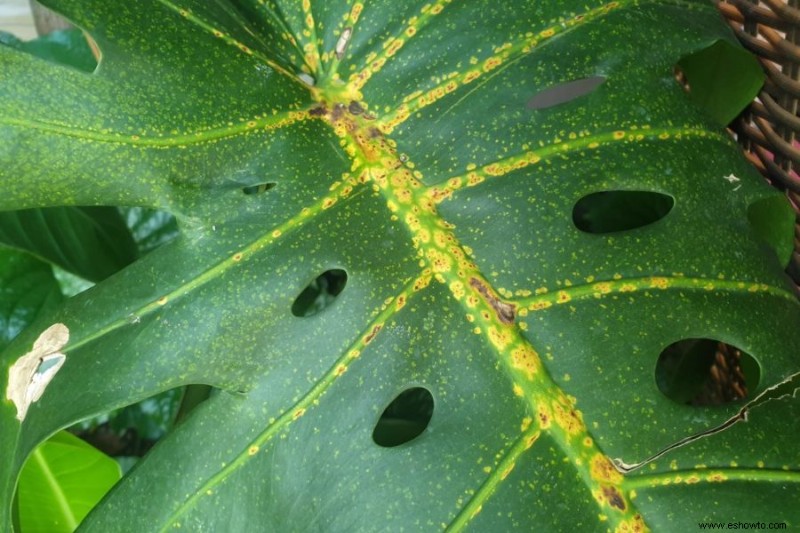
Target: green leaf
[
  {"x": 92, "y": 242},
  {"x": 405, "y": 145},
  {"x": 62, "y": 480},
  {"x": 723, "y": 79}
]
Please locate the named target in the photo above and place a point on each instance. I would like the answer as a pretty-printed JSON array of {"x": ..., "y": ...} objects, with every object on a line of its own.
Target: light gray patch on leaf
[
  {"x": 341, "y": 44},
  {"x": 30, "y": 375}
]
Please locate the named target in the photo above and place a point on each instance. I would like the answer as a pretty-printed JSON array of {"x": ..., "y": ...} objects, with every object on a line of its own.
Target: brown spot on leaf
[
  {"x": 318, "y": 111},
  {"x": 506, "y": 312},
  {"x": 614, "y": 498},
  {"x": 372, "y": 334},
  {"x": 338, "y": 111},
  {"x": 355, "y": 108}
]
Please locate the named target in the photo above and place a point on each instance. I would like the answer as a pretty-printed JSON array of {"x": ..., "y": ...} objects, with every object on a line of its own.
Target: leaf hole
[
  {"x": 320, "y": 293},
  {"x": 706, "y": 372},
  {"x": 613, "y": 211},
  {"x": 405, "y": 418},
  {"x": 259, "y": 188},
  {"x": 565, "y": 92}
]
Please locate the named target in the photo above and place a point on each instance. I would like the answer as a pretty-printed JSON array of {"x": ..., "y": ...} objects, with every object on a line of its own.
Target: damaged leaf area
[
  {"x": 29, "y": 376},
  {"x": 390, "y": 200}
]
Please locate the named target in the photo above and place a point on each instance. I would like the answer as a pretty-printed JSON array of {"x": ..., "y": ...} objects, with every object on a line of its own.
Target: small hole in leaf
[
  {"x": 704, "y": 372},
  {"x": 612, "y": 211},
  {"x": 258, "y": 189},
  {"x": 320, "y": 293},
  {"x": 565, "y": 92},
  {"x": 405, "y": 418},
  {"x": 680, "y": 77}
]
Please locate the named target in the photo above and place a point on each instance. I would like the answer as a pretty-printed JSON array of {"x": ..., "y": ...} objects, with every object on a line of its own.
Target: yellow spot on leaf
[
  {"x": 602, "y": 470},
  {"x": 525, "y": 359},
  {"x": 457, "y": 288},
  {"x": 394, "y": 46},
  {"x": 252, "y": 450},
  {"x": 567, "y": 417},
  {"x": 499, "y": 338}
]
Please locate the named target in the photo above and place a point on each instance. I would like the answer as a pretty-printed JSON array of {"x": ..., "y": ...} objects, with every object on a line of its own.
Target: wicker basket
[{"x": 769, "y": 130}]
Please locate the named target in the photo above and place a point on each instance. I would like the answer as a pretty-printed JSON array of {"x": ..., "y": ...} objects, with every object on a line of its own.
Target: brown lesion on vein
[{"x": 505, "y": 312}]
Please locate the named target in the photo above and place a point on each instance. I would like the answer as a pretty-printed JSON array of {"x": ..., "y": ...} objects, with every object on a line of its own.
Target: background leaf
[
  {"x": 61, "y": 481},
  {"x": 92, "y": 242},
  {"x": 28, "y": 289},
  {"x": 723, "y": 79}
]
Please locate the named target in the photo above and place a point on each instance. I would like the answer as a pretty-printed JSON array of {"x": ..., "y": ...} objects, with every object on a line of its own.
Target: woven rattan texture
[{"x": 769, "y": 131}]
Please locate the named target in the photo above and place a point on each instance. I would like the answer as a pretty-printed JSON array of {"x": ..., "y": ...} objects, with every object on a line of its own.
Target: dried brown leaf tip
[{"x": 30, "y": 375}]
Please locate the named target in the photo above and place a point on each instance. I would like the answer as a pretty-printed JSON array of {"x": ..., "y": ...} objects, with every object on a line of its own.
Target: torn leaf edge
[{"x": 740, "y": 416}]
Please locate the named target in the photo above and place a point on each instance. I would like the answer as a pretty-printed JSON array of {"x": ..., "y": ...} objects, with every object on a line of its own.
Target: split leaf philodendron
[{"x": 422, "y": 161}]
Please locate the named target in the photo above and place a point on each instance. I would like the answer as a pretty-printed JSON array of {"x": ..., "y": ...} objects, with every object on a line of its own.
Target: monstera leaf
[{"x": 437, "y": 173}]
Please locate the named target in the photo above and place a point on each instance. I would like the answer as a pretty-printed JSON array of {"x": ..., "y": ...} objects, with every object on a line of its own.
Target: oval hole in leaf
[
  {"x": 612, "y": 211},
  {"x": 320, "y": 293},
  {"x": 703, "y": 372},
  {"x": 405, "y": 418},
  {"x": 259, "y": 188},
  {"x": 773, "y": 220},
  {"x": 565, "y": 92}
]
